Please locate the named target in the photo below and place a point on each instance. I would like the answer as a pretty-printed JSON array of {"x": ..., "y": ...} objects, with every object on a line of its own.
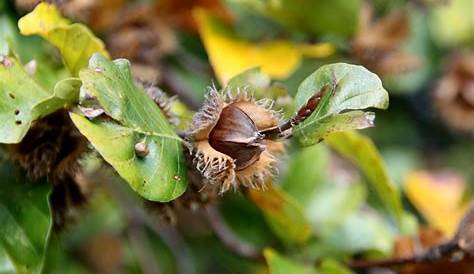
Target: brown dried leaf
[
  {"x": 465, "y": 234},
  {"x": 52, "y": 148},
  {"x": 140, "y": 36},
  {"x": 180, "y": 13},
  {"x": 454, "y": 95},
  {"x": 377, "y": 44}
]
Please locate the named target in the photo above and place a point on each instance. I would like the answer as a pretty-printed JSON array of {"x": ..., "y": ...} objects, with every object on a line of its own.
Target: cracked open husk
[{"x": 226, "y": 144}]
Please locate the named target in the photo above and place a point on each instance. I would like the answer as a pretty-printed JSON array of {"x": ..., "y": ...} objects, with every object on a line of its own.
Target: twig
[
  {"x": 175, "y": 242},
  {"x": 137, "y": 215},
  {"x": 144, "y": 256},
  {"x": 228, "y": 238},
  {"x": 380, "y": 263},
  {"x": 304, "y": 112},
  {"x": 459, "y": 248},
  {"x": 449, "y": 250}
]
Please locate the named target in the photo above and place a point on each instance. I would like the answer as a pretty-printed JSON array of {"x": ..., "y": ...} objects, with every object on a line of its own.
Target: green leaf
[
  {"x": 283, "y": 214},
  {"x": 25, "y": 222},
  {"x": 307, "y": 173},
  {"x": 363, "y": 153},
  {"x": 252, "y": 78},
  {"x": 333, "y": 267},
  {"x": 23, "y": 100},
  {"x": 317, "y": 17},
  {"x": 75, "y": 41},
  {"x": 6, "y": 265},
  {"x": 65, "y": 93},
  {"x": 333, "y": 204},
  {"x": 47, "y": 71},
  {"x": 7, "y": 34},
  {"x": 246, "y": 220},
  {"x": 452, "y": 25},
  {"x": 160, "y": 175},
  {"x": 348, "y": 88},
  {"x": 281, "y": 265},
  {"x": 363, "y": 231}
]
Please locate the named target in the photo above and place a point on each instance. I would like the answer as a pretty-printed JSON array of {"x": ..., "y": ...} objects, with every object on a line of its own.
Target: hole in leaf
[
  {"x": 17, "y": 112},
  {"x": 18, "y": 122}
]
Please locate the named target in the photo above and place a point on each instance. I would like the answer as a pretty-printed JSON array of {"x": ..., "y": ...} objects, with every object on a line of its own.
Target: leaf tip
[
  {"x": 268, "y": 253},
  {"x": 40, "y": 20}
]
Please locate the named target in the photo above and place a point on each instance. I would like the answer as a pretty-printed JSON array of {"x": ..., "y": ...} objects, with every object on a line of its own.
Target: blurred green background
[{"x": 421, "y": 49}]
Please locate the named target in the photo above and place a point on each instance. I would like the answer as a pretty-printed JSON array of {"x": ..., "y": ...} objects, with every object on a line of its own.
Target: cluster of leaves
[{"x": 335, "y": 197}]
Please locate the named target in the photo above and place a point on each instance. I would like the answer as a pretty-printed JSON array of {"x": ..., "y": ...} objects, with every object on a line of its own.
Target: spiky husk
[
  {"x": 163, "y": 101},
  {"x": 52, "y": 148},
  {"x": 219, "y": 169}
]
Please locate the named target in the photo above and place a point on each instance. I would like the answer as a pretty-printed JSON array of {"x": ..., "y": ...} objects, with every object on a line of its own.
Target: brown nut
[
  {"x": 236, "y": 135},
  {"x": 225, "y": 142}
]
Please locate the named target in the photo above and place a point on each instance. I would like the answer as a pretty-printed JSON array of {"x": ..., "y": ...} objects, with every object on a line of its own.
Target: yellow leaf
[
  {"x": 364, "y": 154},
  {"x": 438, "y": 197},
  {"x": 230, "y": 55},
  {"x": 320, "y": 50},
  {"x": 75, "y": 41},
  {"x": 283, "y": 214},
  {"x": 279, "y": 264},
  {"x": 43, "y": 19}
]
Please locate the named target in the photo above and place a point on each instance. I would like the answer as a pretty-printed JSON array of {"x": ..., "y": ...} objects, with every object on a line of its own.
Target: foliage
[
  {"x": 160, "y": 175},
  {"x": 75, "y": 41},
  {"x": 23, "y": 100},
  {"x": 316, "y": 17},
  {"x": 347, "y": 87},
  {"x": 279, "y": 264},
  {"x": 117, "y": 165},
  {"x": 449, "y": 31},
  {"x": 25, "y": 222},
  {"x": 284, "y": 215},
  {"x": 363, "y": 153},
  {"x": 450, "y": 208},
  {"x": 221, "y": 43}
]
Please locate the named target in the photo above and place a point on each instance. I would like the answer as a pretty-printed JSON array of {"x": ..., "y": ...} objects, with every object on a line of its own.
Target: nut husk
[{"x": 226, "y": 143}]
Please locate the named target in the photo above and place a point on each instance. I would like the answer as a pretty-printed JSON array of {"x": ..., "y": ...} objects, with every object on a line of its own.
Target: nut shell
[
  {"x": 225, "y": 141},
  {"x": 236, "y": 135}
]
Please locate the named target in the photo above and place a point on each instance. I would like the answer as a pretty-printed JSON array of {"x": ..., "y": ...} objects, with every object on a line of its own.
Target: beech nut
[
  {"x": 236, "y": 135},
  {"x": 226, "y": 144}
]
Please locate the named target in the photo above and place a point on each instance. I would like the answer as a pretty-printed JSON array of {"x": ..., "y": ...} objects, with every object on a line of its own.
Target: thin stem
[
  {"x": 435, "y": 254},
  {"x": 304, "y": 112},
  {"x": 175, "y": 242},
  {"x": 380, "y": 263},
  {"x": 227, "y": 236},
  {"x": 137, "y": 215},
  {"x": 140, "y": 244}
]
